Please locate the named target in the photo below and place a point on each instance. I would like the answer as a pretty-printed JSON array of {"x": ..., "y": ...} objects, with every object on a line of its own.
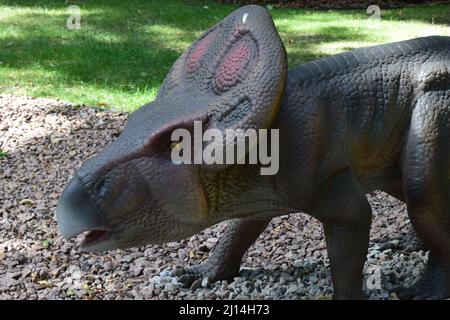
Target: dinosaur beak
[{"x": 76, "y": 214}]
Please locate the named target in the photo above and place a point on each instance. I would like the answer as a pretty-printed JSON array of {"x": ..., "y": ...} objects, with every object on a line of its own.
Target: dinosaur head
[{"x": 132, "y": 193}]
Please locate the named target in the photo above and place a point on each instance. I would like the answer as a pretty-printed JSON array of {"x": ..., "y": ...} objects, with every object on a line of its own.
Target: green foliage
[{"x": 124, "y": 49}]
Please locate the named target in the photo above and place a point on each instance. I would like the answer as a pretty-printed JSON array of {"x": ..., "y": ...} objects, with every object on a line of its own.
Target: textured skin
[
  {"x": 370, "y": 119},
  {"x": 225, "y": 261}
]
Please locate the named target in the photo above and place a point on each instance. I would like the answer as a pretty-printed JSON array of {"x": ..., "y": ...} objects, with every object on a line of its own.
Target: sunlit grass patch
[{"x": 124, "y": 49}]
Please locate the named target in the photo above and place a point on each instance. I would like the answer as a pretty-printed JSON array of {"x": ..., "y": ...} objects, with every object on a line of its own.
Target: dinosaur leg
[
  {"x": 426, "y": 176},
  {"x": 225, "y": 260},
  {"x": 432, "y": 285},
  {"x": 347, "y": 236}
]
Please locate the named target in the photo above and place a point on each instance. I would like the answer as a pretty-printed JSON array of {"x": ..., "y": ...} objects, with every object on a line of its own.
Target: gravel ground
[{"x": 46, "y": 140}]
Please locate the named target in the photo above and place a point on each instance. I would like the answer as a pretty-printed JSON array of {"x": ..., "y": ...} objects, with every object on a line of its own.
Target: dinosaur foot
[
  {"x": 192, "y": 277},
  {"x": 434, "y": 284}
]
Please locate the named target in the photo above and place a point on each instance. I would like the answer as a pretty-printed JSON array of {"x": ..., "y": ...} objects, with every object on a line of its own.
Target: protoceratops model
[{"x": 370, "y": 119}]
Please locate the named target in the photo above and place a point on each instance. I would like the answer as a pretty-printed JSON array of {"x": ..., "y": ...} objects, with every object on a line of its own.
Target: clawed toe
[
  {"x": 425, "y": 289},
  {"x": 192, "y": 276},
  {"x": 188, "y": 279},
  {"x": 407, "y": 293},
  {"x": 434, "y": 284},
  {"x": 178, "y": 272},
  {"x": 187, "y": 276}
]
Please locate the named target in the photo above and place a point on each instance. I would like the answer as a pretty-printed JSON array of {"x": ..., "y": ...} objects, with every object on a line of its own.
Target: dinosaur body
[
  {"x": 370, "y": 119},
  {"x": 352, "y": 113}
]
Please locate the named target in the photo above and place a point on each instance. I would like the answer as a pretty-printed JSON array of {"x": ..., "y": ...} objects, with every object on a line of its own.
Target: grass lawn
[{"x": 124, "y": 49}]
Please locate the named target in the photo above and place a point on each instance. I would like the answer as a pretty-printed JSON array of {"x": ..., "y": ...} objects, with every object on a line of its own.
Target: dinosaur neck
[{"x": 240, "y": 191}]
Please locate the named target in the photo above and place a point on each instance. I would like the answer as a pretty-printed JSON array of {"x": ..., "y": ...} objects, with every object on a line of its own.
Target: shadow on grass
[
  {"x": 430, "y": 14},
  {"x": 303, "y": 48},
  {"x": 129, "y": 46},
  {"x": 123, "y": 65},
  {"x": 124, "y": 54},
  {"x": 121, "y": 45}
]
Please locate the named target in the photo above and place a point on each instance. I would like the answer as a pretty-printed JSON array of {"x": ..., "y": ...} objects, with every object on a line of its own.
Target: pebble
[{"x": 46, "y": 140}]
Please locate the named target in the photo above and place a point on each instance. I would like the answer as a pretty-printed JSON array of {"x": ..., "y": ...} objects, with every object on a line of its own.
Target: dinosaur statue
[{"x": 371, "y": 119}]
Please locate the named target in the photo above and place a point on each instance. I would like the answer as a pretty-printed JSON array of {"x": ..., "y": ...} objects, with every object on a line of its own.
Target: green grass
[
  {"x": 124, "y": 49},
  {"x": 3, "y": 154}
]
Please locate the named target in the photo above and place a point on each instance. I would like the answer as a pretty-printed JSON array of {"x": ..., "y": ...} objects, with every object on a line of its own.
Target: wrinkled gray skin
[{"x": 370, "y": 119}]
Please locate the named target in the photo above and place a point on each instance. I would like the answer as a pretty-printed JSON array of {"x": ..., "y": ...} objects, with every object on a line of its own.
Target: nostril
[
  {"x": 107, "y": 189},
  {"x": 102, "y": 188}
]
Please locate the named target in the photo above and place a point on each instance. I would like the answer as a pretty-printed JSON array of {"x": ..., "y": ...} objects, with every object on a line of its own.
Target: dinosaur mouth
[
  {"x": 77, "y": 215},
  {"x": 94, "y": 239},
  {"x": 93, "y": 235}
]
